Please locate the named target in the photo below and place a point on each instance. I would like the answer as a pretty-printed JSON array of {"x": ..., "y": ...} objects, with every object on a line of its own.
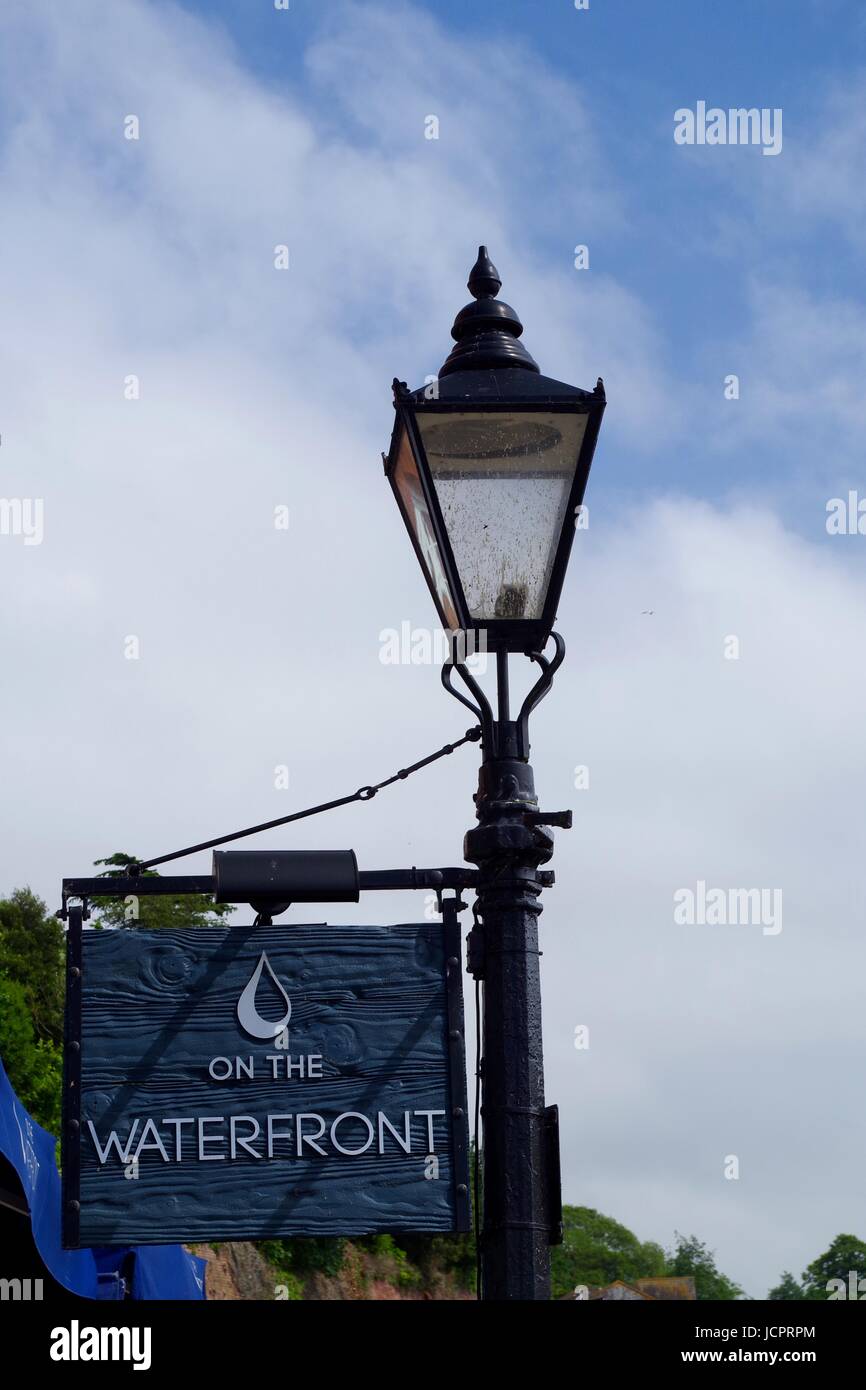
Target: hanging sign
[{"x": 256, "y": 1082}]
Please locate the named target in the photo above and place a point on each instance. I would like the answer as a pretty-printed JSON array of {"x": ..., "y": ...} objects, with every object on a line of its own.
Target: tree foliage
[
  {"x": 787, "y": 1289},
  {"x": 31, "y": 1004},
  {"x": 305, "y": 1255},
  {"x": 167, "y": 910},
  {"x": 34, "y": 1065},
  {"x": 840, "y": 1273},
  {"x": 690, "y": 1256},
  {"x": 845, "y": 1257},
  {"x": 596, "y": 1250},
  {"x": 31, "y": 955}
]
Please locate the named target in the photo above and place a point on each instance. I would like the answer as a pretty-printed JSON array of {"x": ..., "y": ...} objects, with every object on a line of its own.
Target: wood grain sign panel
[{"x": 242, "y": 1083}]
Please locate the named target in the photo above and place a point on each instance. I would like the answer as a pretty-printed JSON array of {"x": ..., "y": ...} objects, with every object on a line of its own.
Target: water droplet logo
[{"x": 248, "y": 1015}]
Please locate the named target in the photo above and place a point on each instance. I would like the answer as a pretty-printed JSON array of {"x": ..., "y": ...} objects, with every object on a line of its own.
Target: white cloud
[
  {"x": 260, "y": 647},
  {"x": 785, "y": 234}
]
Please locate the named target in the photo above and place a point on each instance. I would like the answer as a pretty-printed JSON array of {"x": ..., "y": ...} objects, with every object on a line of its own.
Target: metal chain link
[{"x": 362, "y": 794}]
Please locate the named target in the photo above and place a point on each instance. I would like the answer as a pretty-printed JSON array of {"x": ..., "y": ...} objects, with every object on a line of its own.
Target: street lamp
[{"x": 488, "y": 464}]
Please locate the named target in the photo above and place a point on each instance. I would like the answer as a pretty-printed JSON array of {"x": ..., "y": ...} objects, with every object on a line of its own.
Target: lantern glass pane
[
  {"x": 417, "y": 513},
  {"x": 503, "y": 481}
]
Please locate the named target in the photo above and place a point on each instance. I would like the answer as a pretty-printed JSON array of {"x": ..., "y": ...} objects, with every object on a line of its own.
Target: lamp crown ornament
[
  {"x": 484, "y": 279},
  {"x": 487, "y": 331}
]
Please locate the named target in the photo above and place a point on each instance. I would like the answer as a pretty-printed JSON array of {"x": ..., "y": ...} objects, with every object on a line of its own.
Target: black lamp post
[{"x": 488, "y": 466}]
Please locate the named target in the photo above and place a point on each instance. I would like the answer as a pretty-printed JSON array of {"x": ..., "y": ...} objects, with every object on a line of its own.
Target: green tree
[
  {"x": 31, "y": 955},
  {"x": 34, "y": 1065},
  {"x": 31, "y": 1004},
  {"x": 166, "y": 910},
  {"x": 597, "y": 1250},
  {"x": 690, "y": 1256},
  {"x": 846, "y": 1256},
  {"x": 787, "y": 1288}
]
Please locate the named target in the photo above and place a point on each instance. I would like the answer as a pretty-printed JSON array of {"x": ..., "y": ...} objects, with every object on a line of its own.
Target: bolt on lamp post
[{"x": 488, "y": 465}]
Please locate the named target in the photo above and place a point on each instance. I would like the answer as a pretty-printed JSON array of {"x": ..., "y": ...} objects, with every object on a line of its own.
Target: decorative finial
[
  {"x": 486, "y": 332},
  {"x": 484, "y": 278}
]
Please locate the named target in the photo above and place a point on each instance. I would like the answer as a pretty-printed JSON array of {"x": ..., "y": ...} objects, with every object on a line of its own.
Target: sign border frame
[{"x": 70, "y": 1143}]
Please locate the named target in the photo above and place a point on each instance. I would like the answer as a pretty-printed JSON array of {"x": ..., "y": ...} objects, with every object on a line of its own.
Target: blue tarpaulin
[{"x": 153, "y": 1271}]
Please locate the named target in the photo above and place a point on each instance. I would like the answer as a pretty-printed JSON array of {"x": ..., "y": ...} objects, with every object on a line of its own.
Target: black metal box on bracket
[{"x": 288, "y": 875}]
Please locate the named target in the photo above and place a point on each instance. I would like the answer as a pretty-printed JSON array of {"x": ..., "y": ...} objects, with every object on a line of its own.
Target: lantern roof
[
  {"x": 507, "y": 385},
  {"x": 488, "y": 363}
]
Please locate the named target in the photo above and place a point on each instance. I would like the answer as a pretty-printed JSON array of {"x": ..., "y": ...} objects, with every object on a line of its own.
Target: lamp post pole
[
  {"x": 488, "y": 467},
  {"x": 508, "y": 848}
]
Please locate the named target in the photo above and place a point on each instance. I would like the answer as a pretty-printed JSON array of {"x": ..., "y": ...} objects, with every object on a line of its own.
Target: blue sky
[
  {"x": 697, "y": 235},
  {"x": 152, "y": 261}
]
